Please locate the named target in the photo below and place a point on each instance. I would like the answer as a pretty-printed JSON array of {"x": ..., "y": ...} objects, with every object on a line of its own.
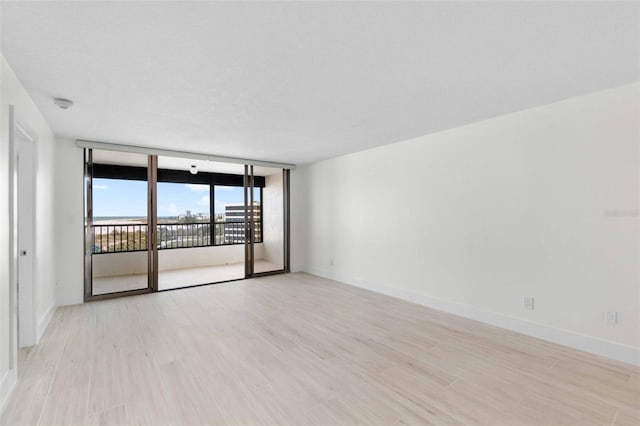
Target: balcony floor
[{"x": 178, "y": 278}]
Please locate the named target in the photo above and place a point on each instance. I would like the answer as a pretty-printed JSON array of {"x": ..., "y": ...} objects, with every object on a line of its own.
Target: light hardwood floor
[
  {"x": 177, "y": 278},
  {"x": 297, "y": 349}
]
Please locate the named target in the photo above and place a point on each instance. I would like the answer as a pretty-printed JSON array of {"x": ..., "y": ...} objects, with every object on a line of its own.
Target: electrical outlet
[
  {"x": 527, "y": 303},
  {"x": 611, "y": 317}
]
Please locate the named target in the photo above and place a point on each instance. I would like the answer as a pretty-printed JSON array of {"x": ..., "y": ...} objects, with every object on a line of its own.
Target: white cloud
[
  {"x": 197, "y": 188},
  {"x": 100, "y": 186},
  {"x": 225, "y": 188},
  {"x": 171, "y": 209},
  {"x": 220, "y": 206},
  {"x": 204, "y": 201}
]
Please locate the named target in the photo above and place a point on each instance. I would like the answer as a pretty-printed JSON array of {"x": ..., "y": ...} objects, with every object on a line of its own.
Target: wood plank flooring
[
  {"x": 176, "y": 278},
  {"x": 301, "y": 350}
]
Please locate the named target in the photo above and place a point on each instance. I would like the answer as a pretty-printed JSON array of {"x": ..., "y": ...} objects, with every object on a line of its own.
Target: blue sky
[{"x": 114, "y": 197}]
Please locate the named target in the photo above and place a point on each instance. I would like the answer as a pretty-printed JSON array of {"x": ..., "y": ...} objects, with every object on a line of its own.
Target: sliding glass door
[
  {"x": 266, "y": 203},
  {"x": 160, "y": 223},
  {"x": 117, "y": 223},
  {"x": 200, "y": 235}
]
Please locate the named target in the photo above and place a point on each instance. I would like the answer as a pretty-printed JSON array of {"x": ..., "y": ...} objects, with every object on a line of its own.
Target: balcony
[
  {"x": 188, "y": 254},
  {"x": 127, "y": 237}
]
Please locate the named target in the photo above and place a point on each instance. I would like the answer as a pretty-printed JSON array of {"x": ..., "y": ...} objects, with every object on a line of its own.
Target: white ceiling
[{"x": 300, "y": 82}]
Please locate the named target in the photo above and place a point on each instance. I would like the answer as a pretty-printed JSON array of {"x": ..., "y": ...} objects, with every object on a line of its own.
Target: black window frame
[{"x": 121, "y": 172}]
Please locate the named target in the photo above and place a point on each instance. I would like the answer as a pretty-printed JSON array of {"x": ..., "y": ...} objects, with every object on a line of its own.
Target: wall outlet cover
[
  {"x": 611, "y": 317},
  {"x": 528, "y": 303}
]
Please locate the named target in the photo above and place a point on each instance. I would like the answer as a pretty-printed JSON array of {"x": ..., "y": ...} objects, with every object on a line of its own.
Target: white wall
[
  {"x": 542, "y": 203},
  {"x": 204, "y": 256},
  {"x": 299, "y": 201},
  {"x": 13, "y": 93},
  {"x": 69, "y": 210},
  {"x": 272, "y": 220},
  {"x": 110, "y": 264}
]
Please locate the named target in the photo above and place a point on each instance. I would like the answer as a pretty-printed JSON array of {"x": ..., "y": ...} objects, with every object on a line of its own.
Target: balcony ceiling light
[{"x": 63, "y": 103}]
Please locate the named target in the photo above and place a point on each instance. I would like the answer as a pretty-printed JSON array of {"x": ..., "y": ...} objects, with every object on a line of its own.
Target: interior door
[{"x": 26, "y": 194}]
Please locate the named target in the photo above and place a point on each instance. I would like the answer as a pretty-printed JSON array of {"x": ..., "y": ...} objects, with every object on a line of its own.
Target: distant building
[
  {"x": 188, "y": 216},
  {"x": 234, "y": 220}
]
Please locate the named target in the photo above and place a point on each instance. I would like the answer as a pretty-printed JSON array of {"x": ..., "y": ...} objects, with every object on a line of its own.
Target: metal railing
[
  {"x": 118, "y": 238},
  {"x": 183, "y": 235}
]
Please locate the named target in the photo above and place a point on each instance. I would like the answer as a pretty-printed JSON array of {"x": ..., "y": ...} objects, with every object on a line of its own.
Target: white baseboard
[
  {"x": 594, "y": 345},
  {"x": 297, "y": 268},
  {"x": 7, "y": 384},
  {"x": 10, "y": 378},
  {"x": 44, "y": 321}
]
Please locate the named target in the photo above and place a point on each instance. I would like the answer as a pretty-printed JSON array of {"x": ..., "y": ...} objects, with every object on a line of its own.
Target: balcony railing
[{"x": 118, "y": 238}]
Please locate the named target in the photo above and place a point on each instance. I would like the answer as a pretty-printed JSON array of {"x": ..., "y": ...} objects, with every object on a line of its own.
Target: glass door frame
[
  {"x": 249, "y": 186},
  {"x": 89, "y": 236},
  {"x": 152, "y": 234}
]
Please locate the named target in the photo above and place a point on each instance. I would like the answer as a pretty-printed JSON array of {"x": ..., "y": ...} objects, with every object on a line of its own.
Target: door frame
[
  {"x": 152, "y": 254},
  {"x": 249, "y": 259},
  {"x": 24, "y": 312},
  {"x": 249, "y": 182}
]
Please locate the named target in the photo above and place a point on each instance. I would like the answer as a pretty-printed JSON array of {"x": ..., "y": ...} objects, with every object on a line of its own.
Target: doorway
[
  {"x": 119, "y": 223},
  {"x": 22, "y": 236},
  {"x": 200, "y": 222},
  {"x": 266, "y": 201},
  {"x": 203, "y": 223}
]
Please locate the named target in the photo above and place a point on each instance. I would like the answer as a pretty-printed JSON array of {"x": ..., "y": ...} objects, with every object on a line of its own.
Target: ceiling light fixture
[
  {"x": 193, "y": 169},
  {"x": 63, "y": 103}
]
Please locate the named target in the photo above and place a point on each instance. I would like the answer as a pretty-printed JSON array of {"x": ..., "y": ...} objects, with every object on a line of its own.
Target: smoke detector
[
  {"x": 193, "y": 169},
  {"x": 63, "y": 103}
]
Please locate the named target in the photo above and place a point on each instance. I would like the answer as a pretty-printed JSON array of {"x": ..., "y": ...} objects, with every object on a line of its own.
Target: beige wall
[
  {"x": 541, "y": 203},
  {"x": 13, "y": 93}
]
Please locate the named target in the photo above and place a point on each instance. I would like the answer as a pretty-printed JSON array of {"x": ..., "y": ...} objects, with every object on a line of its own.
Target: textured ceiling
[{"x": 300, "y": 82}]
